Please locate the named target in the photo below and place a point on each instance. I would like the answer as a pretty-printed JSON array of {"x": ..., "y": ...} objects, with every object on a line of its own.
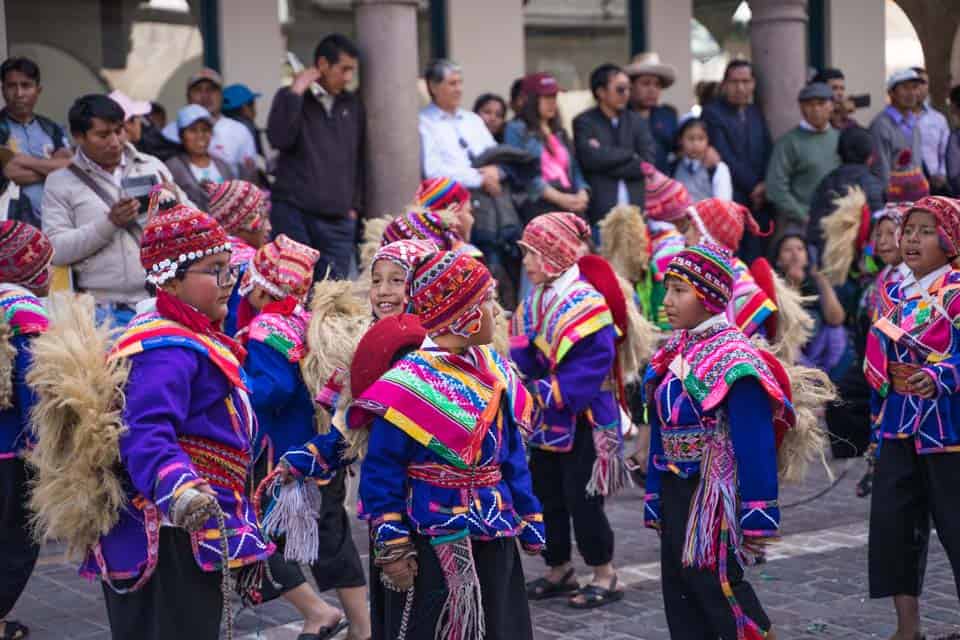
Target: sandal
[
  {"x": 633, "y": 465},
  {"x": 594, "y": 596},
  {"x": 324, "y": 633},
  {"x": 543, "y": 589},
  {"x": 13, "y": 630},
  {"x": 865, "y": 485}
]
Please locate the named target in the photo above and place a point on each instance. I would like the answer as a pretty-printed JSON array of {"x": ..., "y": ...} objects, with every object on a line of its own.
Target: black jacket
[
  {"x": 320, "y": 164},
  {"x": 834, "y": 185},
  {"x": 609, "y": 154}
]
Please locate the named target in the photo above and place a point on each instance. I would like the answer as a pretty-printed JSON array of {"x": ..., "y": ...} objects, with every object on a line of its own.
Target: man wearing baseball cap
[
  {"x": 895, "y": 128},
  {"x": 240, "y": 104},
  {"x": 231, "y": 141},
  {"x": 133, "y": 110}
]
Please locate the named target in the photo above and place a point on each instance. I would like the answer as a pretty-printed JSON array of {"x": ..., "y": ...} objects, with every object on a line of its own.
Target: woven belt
[
  {"x": 218, "y": 464},
  {"x": 683, "y": 447},
  {"x": 899, "y": 373},
  {"x": 441, "y": 475}
]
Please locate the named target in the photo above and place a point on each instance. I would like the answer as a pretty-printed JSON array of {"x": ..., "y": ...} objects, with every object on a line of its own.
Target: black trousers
[
  {"x": 505, "y": 608},
  {"x": 693, "y": 599},
  {"x": 908, "y": 490},
  {"x": 334, "y": 238},
  {"x": 179, "y": 600},
  {"x": 560, "y": 482},
  {"x": 18, "y": 551}
]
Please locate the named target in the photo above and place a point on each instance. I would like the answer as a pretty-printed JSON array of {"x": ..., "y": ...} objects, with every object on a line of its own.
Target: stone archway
[{"x": 936, "y": 22}]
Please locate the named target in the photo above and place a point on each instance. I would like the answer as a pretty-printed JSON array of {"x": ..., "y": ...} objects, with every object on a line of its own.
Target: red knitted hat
[
  {"x": 283, "y": 268},
  {"x": 557, "y": 238},
  {"x": 447, "y": 291},
  {"x": 25, "y": 253},
  {"x": 237, "y": 205},
  {"x": 723, "y": 221},
  {"x": 442, "y": 193},
  {"x": 421, "y": 224},
  {"x": 906, "y": 183},
  {"x": 666, "y": 199},
  {"x": 176, "y": 237},
  {"x": 947, "y": 212}
]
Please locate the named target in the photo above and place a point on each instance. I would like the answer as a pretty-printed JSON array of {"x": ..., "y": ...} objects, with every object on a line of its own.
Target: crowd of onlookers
[{"x": 86, "y": 185}]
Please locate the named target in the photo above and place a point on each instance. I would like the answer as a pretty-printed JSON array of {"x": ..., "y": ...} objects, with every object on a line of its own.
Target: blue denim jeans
[{"x": 119, "y": 315}]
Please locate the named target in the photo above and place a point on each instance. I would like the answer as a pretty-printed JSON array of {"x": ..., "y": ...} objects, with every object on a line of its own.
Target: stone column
[
  {"x": 3, "y": 30},
  {"x": 251, "y": 48},
  {"x": 668, "y": 34},
  {"x": 778, "y": 43},
  {"x": 387, "y": 37}
]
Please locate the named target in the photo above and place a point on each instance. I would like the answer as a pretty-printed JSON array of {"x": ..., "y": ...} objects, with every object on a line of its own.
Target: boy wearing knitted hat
[
  {"x": 564, "y": 341},
  {"x": 25, "y": 254},
  {"x": 186, "y": 449},
  {"x": 911, "y": 364},
  {"x": 718, "y": 408},
  {"x": 445, "y": 449}
]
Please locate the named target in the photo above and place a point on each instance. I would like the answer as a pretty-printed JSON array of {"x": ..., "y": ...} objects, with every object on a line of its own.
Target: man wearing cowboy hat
[{"x": 648, "y": 77}]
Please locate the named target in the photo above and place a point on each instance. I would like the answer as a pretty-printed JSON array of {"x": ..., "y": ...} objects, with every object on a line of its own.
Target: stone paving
[{"x": 813, "y": 584}]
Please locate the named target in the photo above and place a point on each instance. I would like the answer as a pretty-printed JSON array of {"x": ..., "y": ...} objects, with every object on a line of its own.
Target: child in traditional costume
[
  {"x": 913, "y": 352},
  {"x": 243, "y": 210},
  {"x": 168, "y": 477},
  {"x": 718, "y": 410},
  {"x": 564, "y": 340},
  {"x": 445, "y": 480},
  {"x": 25, "y": 254},
  {"x": 446, "y": 194},
  {"x": 443, "y": 228}
]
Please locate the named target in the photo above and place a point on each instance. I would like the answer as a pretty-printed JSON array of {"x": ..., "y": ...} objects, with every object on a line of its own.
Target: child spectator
[{"x": 701, "y": 181}]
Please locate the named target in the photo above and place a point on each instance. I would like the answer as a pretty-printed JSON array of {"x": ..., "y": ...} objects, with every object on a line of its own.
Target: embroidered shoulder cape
[
  {"x": 750, "y": 306},
  {"x": 557, "y": 326},
  {"x": 446, "y": 402},
  {"x": 152, "y": 331},
  {"x": 22, "y": 311}
]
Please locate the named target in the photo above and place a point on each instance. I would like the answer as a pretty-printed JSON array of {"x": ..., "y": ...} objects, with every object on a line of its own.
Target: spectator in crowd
[
  {"x": 492, "y": 109},
  {"x": 152, "y": 139},
  {"x": 842, "y": 106},
  {"x": 318, "y": 126},
  {"x": 953, "y": 147},
  {"x": 706, "y": 91},
  {"x": 133, "y": 112},
  {"x": 90, "y": 214},
  {"x": 240, "y": 103},
  {"x": 895, "y": 128},
  {"x": 612, "y": 143},
  {"x": 934, "y": 135},
  {"x": 560, "y": 186},
  {"x": 739, "y": 132},
  {"x": 648, "y": 78},
  {"x": 517, "y": 97},
  {"x": 802, "y": 157},
  {"x": 231, "y": 141},
  {"x": 158, "y": 115},
  {"x": 856, "y": 155},
  {"x": 698, "y": 166},
  {"x": 193, "y": 167},
  {"x": 38, "y": 143}
]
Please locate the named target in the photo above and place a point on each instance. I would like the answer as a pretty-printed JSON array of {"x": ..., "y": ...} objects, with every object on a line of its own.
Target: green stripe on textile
[{"x": 434, "y": 396}]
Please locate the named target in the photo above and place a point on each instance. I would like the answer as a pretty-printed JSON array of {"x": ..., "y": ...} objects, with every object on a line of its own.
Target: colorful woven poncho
[
  {"x": 446, "y": 402},
  {"x": 22, "y": 311},
  {"x": 284, "y": 332}
]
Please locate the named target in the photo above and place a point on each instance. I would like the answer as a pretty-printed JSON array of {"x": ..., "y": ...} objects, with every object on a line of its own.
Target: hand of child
[
  {"x": 401, "y": 573},
  {"x": 922, "y": 384}
]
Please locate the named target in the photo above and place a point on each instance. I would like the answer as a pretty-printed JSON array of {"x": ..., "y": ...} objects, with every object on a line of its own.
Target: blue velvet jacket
[{"x": 26, "y": 317}]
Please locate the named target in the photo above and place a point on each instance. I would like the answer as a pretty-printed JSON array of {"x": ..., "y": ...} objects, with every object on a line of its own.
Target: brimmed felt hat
[{"x": 648, "y": 64}]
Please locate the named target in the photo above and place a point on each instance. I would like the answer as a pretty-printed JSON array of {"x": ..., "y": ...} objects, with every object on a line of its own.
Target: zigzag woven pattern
[{"x": 23, "y": 311}]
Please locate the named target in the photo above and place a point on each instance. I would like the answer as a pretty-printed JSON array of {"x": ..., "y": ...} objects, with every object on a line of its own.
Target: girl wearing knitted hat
[
  {"x": 565, "y": 341},
  {"x": 25, "y": 254},
  {"x": 911, "y": 364},
  {"x": 165, "y": 475},
  {"x": 445, "y": 450},
  {"x": 718, "y": 410}
]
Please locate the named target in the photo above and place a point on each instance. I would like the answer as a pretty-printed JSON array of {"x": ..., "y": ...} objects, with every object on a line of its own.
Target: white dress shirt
[
  {"x": 934, "y": 136},
  {"x": 448, "y": 141}
]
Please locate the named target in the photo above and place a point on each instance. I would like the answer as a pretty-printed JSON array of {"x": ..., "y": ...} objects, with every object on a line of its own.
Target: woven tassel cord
[
  {"x": 714, "y": 504},
  {"x": 293, "y": 514},
  {"x": 747, "y": 629},
  {"x": 462, "y": 615},
  {"x": 610, "y": 473}
]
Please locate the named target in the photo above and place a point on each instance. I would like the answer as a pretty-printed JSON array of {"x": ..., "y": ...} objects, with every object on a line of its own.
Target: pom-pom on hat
[
  {"x": 666, "y": 199},
  {"x": 282, "y": 268},
  {"x": 723, "y": 222},
  {"x": 25, "y": 253},
  {"x": 176, "y": 237},
  {"x": 558, "y": 238},
  {"x": 706, "y": 268},
  {"x": 422, "y": 224},
  {"x": 237, "y": 205},
  {"x": 442, "y": 193},
  {"x": 447, "y": 292}
]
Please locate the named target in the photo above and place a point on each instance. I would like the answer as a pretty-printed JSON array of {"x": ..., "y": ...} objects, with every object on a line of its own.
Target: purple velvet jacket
[{"x": 178, "y": 400}]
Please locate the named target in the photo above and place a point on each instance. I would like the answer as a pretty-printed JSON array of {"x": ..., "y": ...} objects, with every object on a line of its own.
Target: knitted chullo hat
[
  {"x": 666, "y": 199},
  {"x": 558, "y": 238},
  {"x": 442, "y": 193},
  {"x": 906, "y": 183},
  {"x": 282, "y": 268},
  {"x": 947, "y": 212},
  {"x": 237, "y": 205},
  {"x": 25, "y": 253},
  {"x": 422, "y": 224},
  {"x": 406, "y": 254},
  {"x": 447, "y": 292},
  {"x": 706, "y": 268},
  {"x": 176, "y": 237},
  {"x": 723, "y": 222}
]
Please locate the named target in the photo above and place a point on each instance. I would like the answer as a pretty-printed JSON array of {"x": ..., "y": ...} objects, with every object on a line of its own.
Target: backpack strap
[{"x": 91, "y": 184}]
